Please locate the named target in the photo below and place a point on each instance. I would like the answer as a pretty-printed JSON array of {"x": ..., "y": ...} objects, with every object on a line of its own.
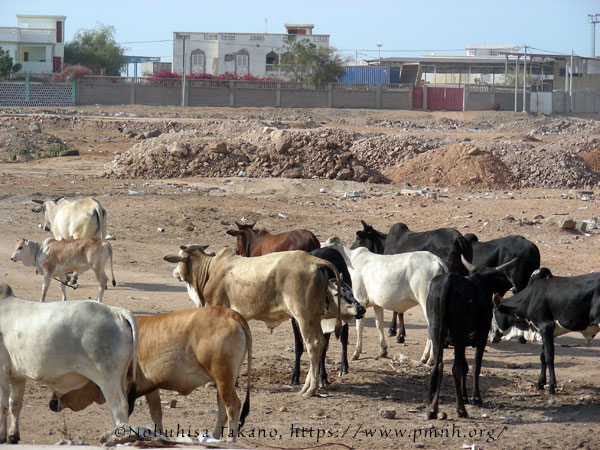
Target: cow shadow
[{"x": 150, "y": 287}]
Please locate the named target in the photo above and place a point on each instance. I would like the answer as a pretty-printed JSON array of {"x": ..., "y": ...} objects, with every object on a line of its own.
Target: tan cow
[
  {"x": 181, "y": 351},
  {"x": 270, "y": 288},
  {"x": 54, "y": 258}
]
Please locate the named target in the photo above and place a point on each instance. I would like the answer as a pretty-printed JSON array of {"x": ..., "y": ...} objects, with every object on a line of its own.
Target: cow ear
[
  {"x": 37, "y": 209},
  {"x": 496, "y": 300},
  {"x": 239, "y": 225},
  {"x": 361, "y": 234},
  {"x": 234, "y": 233},
  {"x": 174, "y": 258},
  {"x": 364, "y": 224},
  {"x": 57, "y": 199},
  {"x": 38, "y": 201}
]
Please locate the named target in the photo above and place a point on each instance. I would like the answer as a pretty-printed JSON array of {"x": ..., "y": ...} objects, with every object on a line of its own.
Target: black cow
[
  {"x": 555, "y": 306},
  {"x": 334, "y": 257},
  {"x": 460, "y": 310},
  {"x": 498, "y": 251},
  {"x": 446, "y": 243}
]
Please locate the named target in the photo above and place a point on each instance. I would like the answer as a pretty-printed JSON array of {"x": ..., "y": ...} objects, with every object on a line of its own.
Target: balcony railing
[{"x": 33, "y": 35}]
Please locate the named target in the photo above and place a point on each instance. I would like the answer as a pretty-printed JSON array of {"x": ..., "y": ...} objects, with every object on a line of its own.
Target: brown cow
[
  {"x": 270, "y": 288},
  {"x": 181, "y": 351},
  {"x": 254, "y": 242}
]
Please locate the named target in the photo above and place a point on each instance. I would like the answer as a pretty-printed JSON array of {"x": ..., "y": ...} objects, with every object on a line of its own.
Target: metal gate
[
  {"x": 444, "y": 99},
  {"x": 540, "y": 102},
  {"x": 417, "y": 97}
]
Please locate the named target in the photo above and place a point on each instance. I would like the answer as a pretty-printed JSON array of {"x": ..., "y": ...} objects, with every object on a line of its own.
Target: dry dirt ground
[{"x": 514, "y": 414}]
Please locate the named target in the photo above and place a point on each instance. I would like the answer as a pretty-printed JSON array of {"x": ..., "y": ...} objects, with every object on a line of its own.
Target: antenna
[
  {"x": 594, "y": 19},
  {"x": 265, "y": 25}
]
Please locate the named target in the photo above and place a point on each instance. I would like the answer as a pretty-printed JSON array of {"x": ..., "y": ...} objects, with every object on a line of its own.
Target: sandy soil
[{"x": 514, "y": 414}]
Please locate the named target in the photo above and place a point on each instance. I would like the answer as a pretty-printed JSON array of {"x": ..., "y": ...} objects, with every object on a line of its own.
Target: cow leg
[
  {"x": 314, "y": 341},
  {"x": 477, "y": 370},
  {"x": 46, "y": 285},
  {"x": 547, "y": 333},
  {"x": 153, "y": 399},
  {"x": 17, "y": 389},
  {"x": 463, "y": 380},
  {"x": 360, "y": 327},
  {"x": 435, "y": 385},
  {"x": 116, "y": 399},
  {"x": 401, "y": 329},
  {"x": 427, "y": 357},
  {"x": 229, "y": 409},
  {"x": 102, "y": 281},
  {"x": 4, "y": 398},
  {"x": 299, "y": 349},
  {"x": 322, "y": 370},
  {"x": 392, "y": 331},
  {"x": 344, "y": 358},
  {"x": 457, "y": 374},
  {"x": 62, "y": 284},
  {"x": 379, "y": 325}
]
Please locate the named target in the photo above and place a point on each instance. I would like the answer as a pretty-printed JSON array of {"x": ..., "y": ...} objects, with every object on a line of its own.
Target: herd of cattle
[{"x": 106, "y": 354}]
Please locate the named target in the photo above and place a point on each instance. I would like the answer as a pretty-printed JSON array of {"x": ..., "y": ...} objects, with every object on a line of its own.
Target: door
[
  {"x": 59, "y": 32},
  {"x": 417, "y": 97},
  {"x": 56, "y": 64},
  {"x": 241, "y": 64},
  {"x": 444, "y": 99}
]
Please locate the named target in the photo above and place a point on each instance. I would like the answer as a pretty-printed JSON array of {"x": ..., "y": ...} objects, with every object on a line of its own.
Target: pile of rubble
[{"x": 31, "y": 143}]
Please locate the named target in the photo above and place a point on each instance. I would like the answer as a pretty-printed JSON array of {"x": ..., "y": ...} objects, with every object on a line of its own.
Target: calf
[
  {"x": 64, "y": 345},
  {"x": 327, "y": 325},
  {"x": 553, "y": 306},
  {"x": 57, "y": 258},
  {"x": 182, "y": 350},
  {"x": 459, "y": 310},
  {"x": 254, "y": 242}
]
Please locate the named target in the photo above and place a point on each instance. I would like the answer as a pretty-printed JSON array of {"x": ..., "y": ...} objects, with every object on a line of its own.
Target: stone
[
  {"x": 218, "y": 147},
  {"x": 177, "y": 150},
  {"x": 72, "y": 152},
  {"x": 294, "y": 172},
  {"x": 35, "y": 127},
  {"x": 387, "y": 413},
  {"x": 345, "y": 157},
  {"x": 282, "y": 141},
  {"x": 563, "y": 222},
  {"x": 344, "y": 174}
]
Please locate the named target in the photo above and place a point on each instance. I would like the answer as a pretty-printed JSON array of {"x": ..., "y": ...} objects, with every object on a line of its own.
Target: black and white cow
[
  {"x": 459, "y": 311},
  {"x": 446, "y": 243},
  {"x": 334, "y": 257},
  {"x": 554, "y": 306}
]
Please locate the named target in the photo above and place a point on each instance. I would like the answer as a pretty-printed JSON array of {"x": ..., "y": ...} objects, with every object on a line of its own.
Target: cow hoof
[
  {"x": 309, "y": 393},
  {"x": 295, "y": 381},
  {"x": 3, "y": 439},
  {"x": 14, "y": 438},
  {"x": 354, "y": 356},
  {"x": 522, "y": 340},
  {"x": 400, "y": 339},
  {"x": 463, "y": 414},
  {"x": 551, "y": 390},
  {"x": 391, "y": 332},
  {"x": 477, "y": 402},
  {"x": 465, "y": 400},
  {"x": 539, "y": 387},
  {"x": 432, "y": 415},
  {"x": 383, "y": 353}
]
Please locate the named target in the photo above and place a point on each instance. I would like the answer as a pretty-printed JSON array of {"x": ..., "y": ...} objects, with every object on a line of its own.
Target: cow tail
[
  {"x": 131, "y": 395},
  {"x": 443, "y": 320},
  {"x": 246, "y": 407},
  {"x": 338, "y": 320},
  {"x": 110, "y": 255},
  {"x": 465, "y": 248}
]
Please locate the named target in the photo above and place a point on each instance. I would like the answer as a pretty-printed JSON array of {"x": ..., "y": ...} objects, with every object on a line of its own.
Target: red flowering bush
[
  {"x": 70, "y": 73},
  {"x": 207, "y": 76}
]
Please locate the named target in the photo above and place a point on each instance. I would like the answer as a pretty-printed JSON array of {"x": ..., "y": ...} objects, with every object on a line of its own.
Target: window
[
  {"x": 321, "y": 38},
  {"x": 228, "y": 57},
  {"x": 241, "y": 60},
  {"x": 197, "y": 61},
  {"x": 272, "y": 60},
  {"x": 493, "y": 52},
  {"x": 211, "y": 37},
  {"x": 228, "y": 37},
  {"x": 471, "y": 52},
  {"x": 257, "y": 37}
]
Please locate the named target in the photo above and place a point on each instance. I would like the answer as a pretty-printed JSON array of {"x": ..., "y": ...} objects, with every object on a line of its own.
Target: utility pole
[
  {"x": 182, "y": 37},
  {"x": 571, "y": 84},
  {"x": 379, "y": 45},
  {"x": 594, "y": 19},
  {"x": 525, "y": 80},
  {"x": 516, "y": 80}
]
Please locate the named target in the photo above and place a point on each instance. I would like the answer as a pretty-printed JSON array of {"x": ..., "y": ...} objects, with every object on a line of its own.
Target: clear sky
[{"x": 403, "y": 27}]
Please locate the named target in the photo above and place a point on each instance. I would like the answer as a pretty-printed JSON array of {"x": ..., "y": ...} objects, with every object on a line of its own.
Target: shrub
[{"x": 70, "y": 73}]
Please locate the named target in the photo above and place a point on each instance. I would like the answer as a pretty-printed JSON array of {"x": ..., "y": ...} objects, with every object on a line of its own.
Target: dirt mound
[
  {"x": 26, "y": 145},
  {"x": 593, "y": 158},
  {"x": 459, "y": 165},
  {"x": 258, "y": 153}
]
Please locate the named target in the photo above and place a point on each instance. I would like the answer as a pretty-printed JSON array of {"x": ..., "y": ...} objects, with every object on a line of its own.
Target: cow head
[
  {"x": 350, "y": 308},
  {"x": 244, "y": 235},
  {"x": 370, "y": 238},
  {"x": 192, "y": 268},
  {"x": 490, "y": 273},
  {"x": 504, "y": 320},
  {"x": 25, "y": 251},
  {"x": 77, "y": 399},
  {"x": 49, "y": 208},
  {"x": 470, "y": 237}
]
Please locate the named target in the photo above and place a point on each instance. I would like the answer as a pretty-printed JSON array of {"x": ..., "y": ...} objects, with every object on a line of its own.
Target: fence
[{"x": 223, "y": 93}]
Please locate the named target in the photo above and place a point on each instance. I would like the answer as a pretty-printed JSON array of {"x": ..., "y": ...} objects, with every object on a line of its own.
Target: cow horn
[
  {"x": 497, "y": 300},
  {"x": 507, "y": 265},
  {"x": 470, "y": 267},
  {"x": 57, "y": 199},
  {"x": 36, "y": 200},
  {"x": 173, "y": 258},
  {"x": 364, "y": 224},
  {"x": 193, "y": 247},
  {"x": 239, "y": 225}
]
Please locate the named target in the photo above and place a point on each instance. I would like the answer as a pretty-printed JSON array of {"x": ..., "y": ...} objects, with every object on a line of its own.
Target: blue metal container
[{"x": 366, "y": 75}]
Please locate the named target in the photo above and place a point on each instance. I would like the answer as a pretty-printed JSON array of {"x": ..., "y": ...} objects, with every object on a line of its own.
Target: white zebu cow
[
  {"x": 73, "y": 218},
  {"x": 57, "y": 258},
  {"x": 65, "y": 346},
  {"x": 393, "y": 282}
]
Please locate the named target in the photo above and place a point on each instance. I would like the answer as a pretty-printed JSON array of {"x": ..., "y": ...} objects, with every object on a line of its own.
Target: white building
[
  {"x": 37, "y": 43},
  {"x": 491, "y": 49},
  {"x": 241, "y": 53}
]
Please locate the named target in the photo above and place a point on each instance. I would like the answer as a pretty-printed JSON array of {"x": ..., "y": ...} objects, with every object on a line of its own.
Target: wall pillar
[
  {"x": 424, "y": 98},
  {"x": 330, "y": 95},
  {"x": 231, "y": 93},
  {"x": 378, "y": 96},
  {"x": 278, "y": 95}
]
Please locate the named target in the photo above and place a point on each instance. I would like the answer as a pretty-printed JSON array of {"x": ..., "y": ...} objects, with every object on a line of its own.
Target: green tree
[
  {"x": 6, "y": 64},
  {"x": 96, "y": 49},
  {"x": 305, "y": 62}
]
